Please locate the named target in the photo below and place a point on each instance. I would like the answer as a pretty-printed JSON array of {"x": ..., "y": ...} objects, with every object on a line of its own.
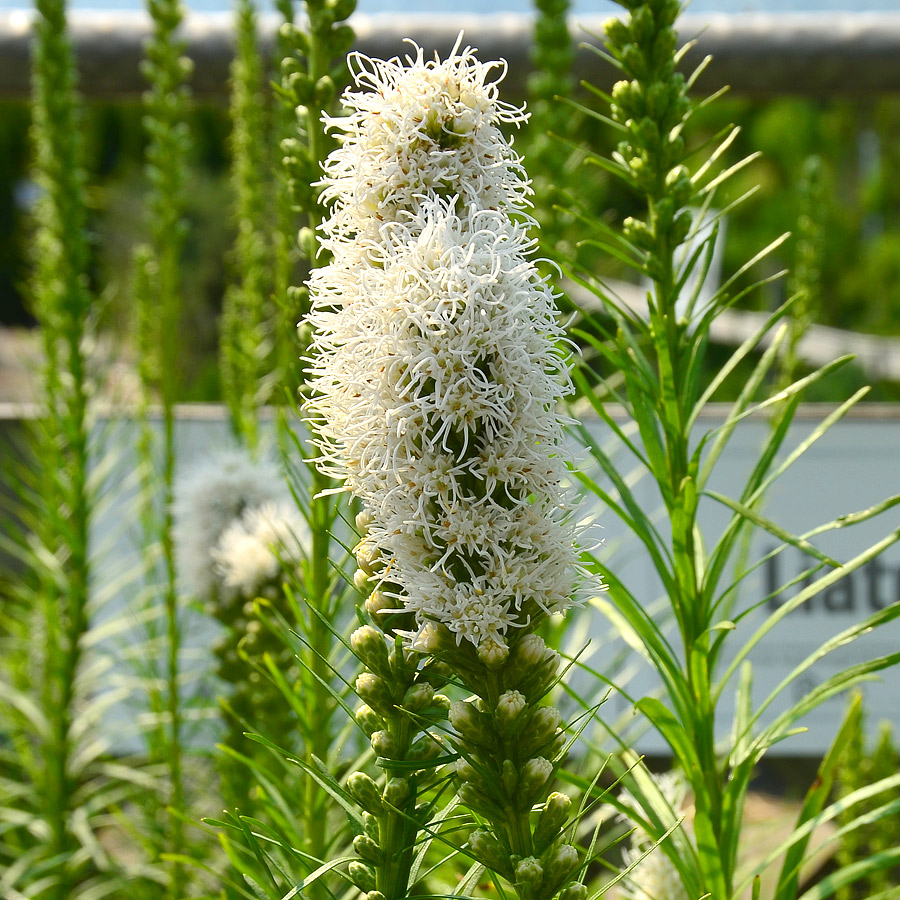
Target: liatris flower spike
[
  {"x": 437, "y": 373},
  {"x": 437, "y": 367}
]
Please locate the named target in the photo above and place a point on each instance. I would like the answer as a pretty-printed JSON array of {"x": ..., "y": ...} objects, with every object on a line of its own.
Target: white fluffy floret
[
  {"x": 252, "y": 552},
  {"x": 420, "y": 128},
  {"x": 437, "y": 366}
]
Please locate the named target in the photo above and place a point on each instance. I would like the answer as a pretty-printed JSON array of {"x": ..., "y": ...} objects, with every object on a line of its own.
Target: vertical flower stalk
[
  {"x": 247, "y": 322},
  {"x": 312, "y": 64},
  {"x": 62, "y": 304},
  {"x": 437, "y": 374},
  {"x": 399, "y": 706},
  {"x": 158, "y": 299},
  {"x": 238, "y": 539}
]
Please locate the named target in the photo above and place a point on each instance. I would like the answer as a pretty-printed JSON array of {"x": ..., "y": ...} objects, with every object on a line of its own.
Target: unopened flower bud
[
  {"x": 509, "y": 777},
  {"x": 525, "y": 656},
  {"x": 617, "y": 31},
  {"x": 384, "y": 744},
  {"x": 364, "y": 790},
  {"x": 509, "y": 706},
  {"x": 375, "y": 895},
  {"x": 436, "y": 673},
  {"x": 529, "y": 874},
  {"x": 427, "y": 640},
  {"x": 559, "y": 865},
  {"x": 396, "y": 792},
  {"x": 542, "y": 727},
  {"x": 361, "y": 580},
  {"x": 535, "y": 775},
  {"x": 417, "y": 697},
  {"x": 307, "y": 240},
  {"x": 363, "y": 521},
  {"x": 492, "y": 654},
  {"x": 575, "y": 891},
  {"x": 488, "y": 851},
  {"x": 540, "y": 678},
  {"x": 374, "y": 691},
  {"x": 367, "y": 849},
  {"x": 470, "y": 723},
  {"x": 472, "y": 794},
  {"x": 465, "y": 771},
  {"x": 371, "y": 826},
  {"x": 426, "y": 747},
  {"x": 362, "y": 876},
  {"x": 368, "y": 556},
  {"x": 377, "y": 603},
  {"x": 552, "y": 818},
  {"x": 368, "y": 719},
  {"x": 369, "y": 646}
]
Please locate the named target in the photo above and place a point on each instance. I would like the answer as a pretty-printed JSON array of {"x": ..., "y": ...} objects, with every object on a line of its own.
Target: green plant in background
[
  {"x": 158, "y": 293},
  {"x": 858, "y": 769},
  {"x": 552, "y": 54},
  {"x": 660, "y": 357},
  {"x": 245, "y": 333},
  {"x": 805, "y": 281},
  {"x": 261, "y": 347},
  {"x": 57, "y": 791}
]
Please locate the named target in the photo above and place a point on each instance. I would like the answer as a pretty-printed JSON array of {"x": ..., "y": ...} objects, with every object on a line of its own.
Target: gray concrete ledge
[{"x": 819, "y": 54}]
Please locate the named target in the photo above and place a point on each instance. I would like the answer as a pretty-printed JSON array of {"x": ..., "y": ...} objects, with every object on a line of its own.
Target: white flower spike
[{"x": 436, "y": 366}]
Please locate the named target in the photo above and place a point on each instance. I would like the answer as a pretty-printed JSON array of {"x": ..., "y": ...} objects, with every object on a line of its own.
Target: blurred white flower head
[
  {"x": 209, "y": 498},
  {"x": 252, "y": 552},
  {"x": 437, "y": 363},
  {"x": 655, "y": 877}
]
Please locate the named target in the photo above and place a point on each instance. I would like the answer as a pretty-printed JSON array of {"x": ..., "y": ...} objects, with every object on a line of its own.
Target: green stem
[
  {"x": 159, "y": 268},
  {"x": 62, "y": 303}
]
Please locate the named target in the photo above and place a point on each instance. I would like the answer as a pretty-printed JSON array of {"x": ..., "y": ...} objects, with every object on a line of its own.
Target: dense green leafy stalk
[
  {"x": 552, "y": 121},
  {"x": 857, "y": 770},
  {"x": 806, "y": 277},
  {"x": 62, "y": 304},
  {"x": 310, "y": 72},
  {"x": 399, "y": 705},
  {"x": 245, "y": 341},
  {"x": 659, "y": 353},
  {"x": 510, "y": 746},
  {"x": 158, "y": 278}
]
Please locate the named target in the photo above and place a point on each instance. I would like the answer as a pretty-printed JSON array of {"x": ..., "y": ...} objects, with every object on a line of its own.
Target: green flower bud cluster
[
  {"x": 374, "y": 570},
  {"x": 399, "y": 706},
  {"x": 396, "y": 690},
  {"x": 252, "y": 697},
  {"x": 652, "y": 104},
  {"x": 309, "y": 86},
  {"x": 509, "y": 748}
]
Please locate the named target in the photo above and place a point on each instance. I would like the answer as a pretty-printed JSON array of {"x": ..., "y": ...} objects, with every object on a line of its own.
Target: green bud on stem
[
  {"x": 362, "y": 876},
  {"x": 375, "y": 692},
  {"x": 364, "y": 790},
  {"x": 396, "y": 792},
  {"x": 367, "y": 849}
]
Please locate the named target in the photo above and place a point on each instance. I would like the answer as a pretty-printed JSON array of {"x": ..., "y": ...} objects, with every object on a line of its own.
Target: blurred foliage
[
  {"x": 858, "y": 141},
  {"x": 861, "y": 766}
]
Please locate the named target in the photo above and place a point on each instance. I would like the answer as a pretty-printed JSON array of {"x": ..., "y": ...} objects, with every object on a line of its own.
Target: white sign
[{"x": 852, "y": 467}]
